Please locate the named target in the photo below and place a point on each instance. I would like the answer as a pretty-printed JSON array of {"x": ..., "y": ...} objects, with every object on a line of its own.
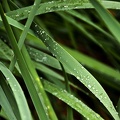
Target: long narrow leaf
[
  {"x": 72, "y": 101},
  {"x": 77, "y": 70},
  {"x": 6, "y": 105},
  {"x": 18, "y": 93},
  {"x": 46, "y": 59},
  {"x": 23, "y": 13},
  {"x": 32, "y": 82},
  {"x": 110, "y": 22}
]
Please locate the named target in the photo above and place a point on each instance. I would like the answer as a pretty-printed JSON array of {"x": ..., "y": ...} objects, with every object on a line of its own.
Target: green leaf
[
  {"x": 110, "y": 22},
  {"x": 30, "y": 76},
  {"x": 46, "y": 59},
  {"x": 72, "y": 101},
  {"x": 88, "y": 21},
  {"x": 23, "y": 13},
  {"x": 6, "y": 105},
  {"x": 77, "y": 70},
  {"x": 17, "y": 92}
]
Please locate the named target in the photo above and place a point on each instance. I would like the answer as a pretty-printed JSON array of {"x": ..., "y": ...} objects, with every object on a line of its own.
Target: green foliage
[{"x": 59, "y": 60}]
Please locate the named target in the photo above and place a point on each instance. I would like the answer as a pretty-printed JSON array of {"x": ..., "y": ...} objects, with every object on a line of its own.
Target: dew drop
[
  {"x": 55, "y": 93},
  {"x": 78, "y": 77},
  {"x": 82, "y": 67},
  {"x": 44, "y": 58},
  {"x": 7, "y": 78},
  {"x": 65, "y": 6},
  {"x": 74, "y": 69},
  {"x": 89, "y": 86},
  {"x": 29, "y": 11},
  {"x": 47, "y": 8},
  {"x": 58, "y": 6},
  {"x": 17, "y": 15},
  {"x": 35, "y": 25},
  {"x": 36, "y": 53}
]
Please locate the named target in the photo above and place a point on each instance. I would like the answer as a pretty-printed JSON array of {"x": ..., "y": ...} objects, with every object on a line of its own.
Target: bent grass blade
[
  {"x": 72, "y": 101},
  {"x": 18, "y": 93},
  {"x": 47, "y": 7},
  {"x": 6, "y": 105},
  {"x": 77, "y": 70}
]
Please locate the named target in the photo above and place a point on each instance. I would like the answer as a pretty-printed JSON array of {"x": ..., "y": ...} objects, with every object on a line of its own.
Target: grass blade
[
  {"x": 71, "y": 101},
  {"x": 23, "y": 13},
  {"x": 38, "y": 56},
  {"x": 46, "y": 59},
  {"x": 77, "y": 70},
  {"x": 110, "y": 22},
  {"x": 18, "y": 93},
  {"x": 33, "y": 84},
  {"x": 6, "y": 105},
  {"x": 85, "y": 19}
]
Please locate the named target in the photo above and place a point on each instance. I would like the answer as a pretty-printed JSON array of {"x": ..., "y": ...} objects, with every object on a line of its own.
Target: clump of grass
[{"x": 59, "y": 60}]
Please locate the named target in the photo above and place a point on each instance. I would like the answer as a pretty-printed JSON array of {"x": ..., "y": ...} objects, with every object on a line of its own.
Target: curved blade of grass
[
  {"x": 32, "y": 81},
  {"x": 18, "y": 93},
  {"x": 23, "y": 13},
  {"x": 46, "y": 59},
  {"x": 6, "y": 106},
  {"x": 110, "y": 22},
  {"x": 18, "y": 25},
  {"x": 72, "y": 101},
  {"x": 44, "y": 98},
  {"x": 55, "y": 77},
  {"x": 77, "y": 70},
  {"x": 49, "y": 7},
  {"x": 39, "y": 56},
  {"x": 87, "y": 61},
  {"x": 10, "y": 97},
  {"x": 42, "y": 57}
]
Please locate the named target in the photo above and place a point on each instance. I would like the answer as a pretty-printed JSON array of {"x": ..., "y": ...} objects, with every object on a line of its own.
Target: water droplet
[
  {"x": 38, "y": 60},
  {"x": 28, "y": 11},
  {"x": 55, "y": 93},
  {"x": 47, "y": 8},
  {"x": 75, "y": 69},
  {"x": 36, "y": 53},
  {"x": 17, "y": 15},
  {"x": 51, "y": 2},
  {"x": 78, "y": 77},
  {"x": 7, "y": 78},
  {"x": 35, "y": 25},
  {"x": 89, "y": 86},
  {"x": 44, "y": 58},
  {"x": 65, "y": 6}
]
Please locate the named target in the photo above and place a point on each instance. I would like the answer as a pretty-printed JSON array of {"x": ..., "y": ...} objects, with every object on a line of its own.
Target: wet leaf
[
  {"x": 72, "y": 101},
  {"x": 76, "y": 69}
]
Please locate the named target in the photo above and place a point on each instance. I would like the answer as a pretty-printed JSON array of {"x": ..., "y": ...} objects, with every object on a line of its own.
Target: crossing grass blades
[{"x": 59, "y": 60}]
